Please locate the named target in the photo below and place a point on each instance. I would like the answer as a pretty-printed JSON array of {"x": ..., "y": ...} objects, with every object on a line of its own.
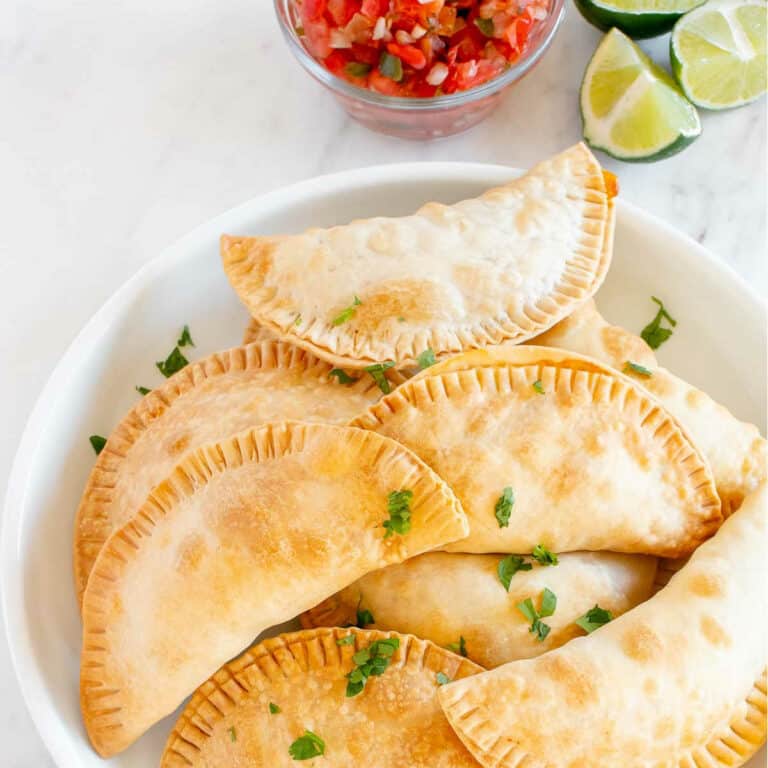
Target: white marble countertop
[{"x": 125, "y": 124}]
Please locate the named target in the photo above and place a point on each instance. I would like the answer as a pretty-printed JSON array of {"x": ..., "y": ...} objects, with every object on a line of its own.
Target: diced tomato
[
  {"x": 408, "y": 54},
  {"x": 311, "y": 10},
  {"x": 342, "y": 11},
  {"x": 318, "y": 37},
  {"x": 374, "y": 8},
  {"x": 336, "y": 62},
  {"x": 366, "y": 54},
  {"x": 382, "y": 84}
]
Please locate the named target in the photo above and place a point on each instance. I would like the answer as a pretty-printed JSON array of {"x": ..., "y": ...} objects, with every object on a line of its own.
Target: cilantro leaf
[
  {"x": 297, "y": 321},
  {"x": 543, "y": 556},
  {"x": 485, "y": 26},
  {"x": 377, "y": 374},
  {"x": 370, "y": 662},
  {"x": 274, "y": 709},
  {"x": 509, "y": 566},
  {"x": 399, "y": 510},
  {"x": 539, "y": 387},
  {"x": 391, "y": 66},
  {"x": 143, "y": 390},
  {"x": 527, "y": 609},
  {"x": 173, "y": 363},
  {"x": 442, "y": 678},
  {"x": 357, "y": 68},
  {"x": 594, "y": 618},
  {"x": 342, "y": 376},
  {"x": 548, "y": 606},
  {"x": 654, "y": 335},
  {"x": 503, "y": 507},
  {"x": 185, "y": 340},
  {"x": 346, "y": 640},
  {"x": 307, "y": 746},
  {"x": 364, "y": 618},
  {"x": 548, "y": 602},
  {"x": 630, "y": 367},
  {"x": 460, "y": 647},
  {"x": 426, "y": 358},
  {"x": 347, "y": 313},
  {"x": 97, "y": 443},
  {"x": 232, "y": 733}
]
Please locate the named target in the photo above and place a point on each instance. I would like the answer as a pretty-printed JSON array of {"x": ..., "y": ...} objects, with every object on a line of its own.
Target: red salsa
[{"x": 418, "y": 47}]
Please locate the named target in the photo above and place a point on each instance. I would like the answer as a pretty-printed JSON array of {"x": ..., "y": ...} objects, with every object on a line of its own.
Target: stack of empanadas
[{"x": 466, "y": 484}]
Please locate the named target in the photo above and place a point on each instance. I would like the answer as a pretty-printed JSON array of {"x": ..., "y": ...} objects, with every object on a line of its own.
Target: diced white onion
[
  {"x": 438, "y": 73},
  {"x": 339, "y": 40},
  {"x": 538, "y": 13},
  {"x": 418, "y": 32},
  {"x": 379, "y": 28},
  {"x": 403, "y": 37}
]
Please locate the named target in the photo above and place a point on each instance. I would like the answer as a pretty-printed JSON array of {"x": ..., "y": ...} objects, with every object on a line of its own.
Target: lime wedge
[
  {"x": 718, "y": 53},
  {"x": 637, "y": 18},
  {"x": 630, "y": 107}
]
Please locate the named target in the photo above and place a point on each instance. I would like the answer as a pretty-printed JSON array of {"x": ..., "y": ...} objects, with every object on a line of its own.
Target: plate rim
[{"x": 30, "y": 681}]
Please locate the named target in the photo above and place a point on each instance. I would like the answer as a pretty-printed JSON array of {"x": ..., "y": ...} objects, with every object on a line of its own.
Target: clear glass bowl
[{"x": 420, "y": 118}]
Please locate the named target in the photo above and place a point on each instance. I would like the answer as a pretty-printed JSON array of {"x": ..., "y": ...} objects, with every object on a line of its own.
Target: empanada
[
  {"x": 255, "y": 331},
  {"x": 207, "y": 400},
  {"x": 592, "y": 461},
  {"x": 504, "y": 266},
  {"x": 735, "y": 450},
  {"x": 243, "y": 534},
  {"x": 252, "y": 710},
  {"x": 678, "y": 682},
  {"x": 446, "y": 596}
]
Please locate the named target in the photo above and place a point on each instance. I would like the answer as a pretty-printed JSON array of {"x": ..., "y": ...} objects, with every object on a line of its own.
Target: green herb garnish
[
  {"x": 442, "y": 678},
  {"x": 543, "y": 556},
  {"x": 390, "y": 66},
  {"x": 426, "y": 358},
  {"x": 297, "y": 321},
  {"x": 370, "y": 661},
  {"x": 399, "y": 509},
  {"x": 538, "y": 386},
  {"x": 630, "y": 367},
  {"x": 357, "y": 69},
  {"x": 594, "y": 618},
  {"x": 548, "y": 606},
  {"x": 509, "y": 566},
  {"x": 485, "y": 26},
  {"x": 460, "y": 647},
  {"x": 307, "y": 746},
  {"x": 347, "y": 313},
  {"x": 342, "y": 376},
  {"x": 401, "y": 319},
  {"x": 185, "y": 340},
  {"x": 364, "y": 618},
  {"x": 232, "y": 733},
  {"x": 173, "y": 363},
  {"x": 503, "y": 508},
  {"x": 274, "y": 709},
  {"x": 346, "y": 640},
  {"x": 654, "y": 335},
  {"x": 97, "y": 443},
  {"x": 377, "y": 374},
  {"x": 143, "y": 390}
]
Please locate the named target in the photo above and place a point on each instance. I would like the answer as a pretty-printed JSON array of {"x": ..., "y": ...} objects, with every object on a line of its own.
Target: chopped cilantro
[
  {"x": 594, "y": 618},
  {"x": 97, "y": 443},
  {"x": 357, "y": 69},
  {"x": 274, "y": 709},
  {"x": 460, "y": 647},
  {"x": 442, "y": 678},
  {"x": 399, "y": 509},
  {"x": 401, "y": 319},
  {"x": 370, "y": 662},
  {"x": 654, "y": 335},
  {"x": 347, "y": 313},
  {"x": 364, "y": 618},
  {"x": 343, "y": 376},
  {"x": 509, "y": 566},
  {"x": 485, "y": 26},
  {"x": 143, "y": 390},
  {"x": 390, "y": 66},
  {"x": 543, "y": 556},
  {"x": 548, "y": 606},
  {"x": 346, "y": 640},
  {"x": 426, "y": 358},
  {"x": 173, "y": 363},
  {"x": 297, "y": 321},
  {"x": 307, "y": 746},
  {"x": 630, "y": 367},
  {"x": 232, "y": 733},
  {"x": 185, "y": 340},
  {"x": 548, "y": 602},
  {"x": 538, "y": 386},
  {"x": 503, "y": 507},
  {"x": 377, "y": 374}
]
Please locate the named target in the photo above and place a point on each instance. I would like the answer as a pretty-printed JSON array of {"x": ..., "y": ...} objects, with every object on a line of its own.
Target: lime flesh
[
  {"x": 631, "y": 108},
  {"x": 718, "y": 53}
]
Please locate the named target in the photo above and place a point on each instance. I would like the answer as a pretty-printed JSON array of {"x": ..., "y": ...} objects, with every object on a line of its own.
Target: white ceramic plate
[{"x": 719, "y": 345}]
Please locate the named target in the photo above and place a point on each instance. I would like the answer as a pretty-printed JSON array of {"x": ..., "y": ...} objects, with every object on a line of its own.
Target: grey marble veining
[{"x": 125, "y": 124}]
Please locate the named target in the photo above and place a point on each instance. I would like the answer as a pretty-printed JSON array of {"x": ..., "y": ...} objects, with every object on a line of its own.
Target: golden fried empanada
[
  {"x": 257, "y": 332},
  {"x": 254, "y": 708},
  {"x": 504, "y": 266},
  {"x": 591, "y": 460},
  {"x": 207, "y": 400},
  {"x": 679, "y": 681},
  {"x": 243, "y": 534},
  {"x": 446, "y": 596},
  {"x": 735, "y": 450}
]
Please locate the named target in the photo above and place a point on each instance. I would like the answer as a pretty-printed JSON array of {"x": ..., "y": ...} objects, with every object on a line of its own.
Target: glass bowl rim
[{"x": 544, "y": 39}]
